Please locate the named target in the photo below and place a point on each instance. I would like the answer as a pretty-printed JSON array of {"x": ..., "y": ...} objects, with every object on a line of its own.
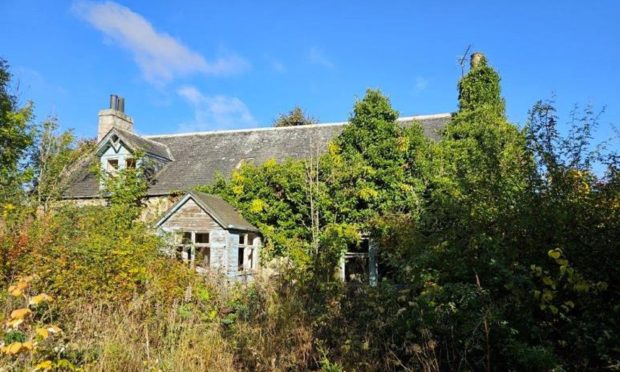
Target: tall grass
[{"x": 145, "y": 335}]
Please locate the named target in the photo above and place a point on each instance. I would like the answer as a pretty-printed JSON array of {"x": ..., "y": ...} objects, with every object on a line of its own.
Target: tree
[
  {"x": 125, "y": 191},
  {"x": 53, "y": 160},
  {"x": 371, "y": 168},
  {"x": 468, "y": 243},
  {"x": 293, "y": 118},
  {"x": 573, "y": 223},
  {"x": 16, "y": 137},
  {"x": 274, "y": 197}
]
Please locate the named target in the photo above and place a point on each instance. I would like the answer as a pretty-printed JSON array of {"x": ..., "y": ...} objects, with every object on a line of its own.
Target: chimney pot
[{"x": 113, "y": 100}]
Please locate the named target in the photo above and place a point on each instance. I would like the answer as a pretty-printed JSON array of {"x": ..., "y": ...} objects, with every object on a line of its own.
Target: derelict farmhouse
[{"x": 206, "y": 230}]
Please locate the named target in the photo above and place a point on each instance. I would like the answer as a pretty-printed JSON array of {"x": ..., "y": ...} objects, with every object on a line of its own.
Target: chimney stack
[
  {"x": 114, "y": 117},
  {"x": 475, "y": 59}
]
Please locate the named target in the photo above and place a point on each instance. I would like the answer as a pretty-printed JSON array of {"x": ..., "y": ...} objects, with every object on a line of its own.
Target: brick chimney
[{"x": 114, "y": 117}]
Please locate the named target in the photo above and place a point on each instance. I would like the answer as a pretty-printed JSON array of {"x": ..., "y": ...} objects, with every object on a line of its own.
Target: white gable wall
[{"x": 121, "y": 153}]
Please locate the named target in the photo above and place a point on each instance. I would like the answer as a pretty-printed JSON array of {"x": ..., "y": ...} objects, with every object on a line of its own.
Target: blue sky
[{"x": 198, "y": 65}]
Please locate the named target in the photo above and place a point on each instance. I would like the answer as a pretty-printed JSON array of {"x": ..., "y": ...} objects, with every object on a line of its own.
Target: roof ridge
[{"x": 263, "y": 129}]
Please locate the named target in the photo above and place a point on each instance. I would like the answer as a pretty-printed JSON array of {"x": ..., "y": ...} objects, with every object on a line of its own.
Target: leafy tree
[
  {"x": 16, "y": 136},
  {"x": 465, "y": 251},
  {"x": 293, "y": 118},
  {"x": 273, "y": 197},
  {"x": 573, "y": 218},
  {"x": 53, "y": 160},
  {"x": 371, "y": 168}
]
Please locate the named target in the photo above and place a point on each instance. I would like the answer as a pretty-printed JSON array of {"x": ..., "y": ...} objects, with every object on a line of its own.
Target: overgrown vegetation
[
  {"x": 294, "y": 118},
  {"x": 499, "y": 250}
]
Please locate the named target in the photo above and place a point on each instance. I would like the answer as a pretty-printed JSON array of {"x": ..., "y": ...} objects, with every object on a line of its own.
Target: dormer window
[
  {"x": 130, "y": 163},
  {"x": 112, "y": 165},
  {"x": 119, "y": 150}
]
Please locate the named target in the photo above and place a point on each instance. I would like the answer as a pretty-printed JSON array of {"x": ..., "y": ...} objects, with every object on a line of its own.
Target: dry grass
[
  {"x": 146, "y": 335},
  {"x": 142, "y": 335}
]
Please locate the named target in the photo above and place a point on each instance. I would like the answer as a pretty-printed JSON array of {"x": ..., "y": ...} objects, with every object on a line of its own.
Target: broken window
[
  {"x": 130, "y": 163},
  {"x": 203, "y": 249},
  {"x": 202, "y": 238},
  {"x": 245, "y": 259},
  {"x": 203, "y": 257},
  {"x": 241, "y": 252},
  {"x": 186, "y": 238},
  {"x": 250, "y": 258},
  {"x": 250, "y": 238},
  {"x": 356, "y": 265},
  {"x": 240, "y": 259},
  {"x": 194, "y": 247},
  {"x": 112, "y": 165}
]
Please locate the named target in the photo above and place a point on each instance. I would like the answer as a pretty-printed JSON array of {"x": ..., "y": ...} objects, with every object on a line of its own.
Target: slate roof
[
  {"x": 222, "y": 212},
  {"x": 198, "y": 157},
  {"x": 149, "y": 146},
  {"x": 137, "y": 143}
]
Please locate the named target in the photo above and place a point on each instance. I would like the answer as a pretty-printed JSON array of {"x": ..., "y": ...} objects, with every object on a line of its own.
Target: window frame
[
  {"x": 188, "y": 249},
  {"x": 246, "y": 259},
  {"x": 110, "y": 168},
  {"x": 130, "y": 163},
  {"x": 352, "y": 258},
  {"x": 241, "y": 252}
]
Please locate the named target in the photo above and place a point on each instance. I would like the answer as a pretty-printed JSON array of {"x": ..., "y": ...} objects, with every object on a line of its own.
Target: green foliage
[
  {"x": 480, "y": 90},
  {"x": 125, "y": 190},
  {"x": 311, "y": 210},
  {"x": 91, "y": 252},
  {"x": 273, "y": 197},
  {"x": 16, "y": 137},
  {"x": 373, "y": 168},
  {"x": 293, "y": 118},
  {"x": 498, "y": 251},
  {"x": 53, "y": 160}
]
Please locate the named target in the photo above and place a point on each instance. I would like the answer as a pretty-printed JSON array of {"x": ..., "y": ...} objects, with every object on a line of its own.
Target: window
[
  {"x": 130, "y": 163},
  {"x": 356, "y": 267},
  {"x": 203, "y": 257},
  {"x": 356, "y": 264},
  {"x": 186, "y": 238},
  {"x": 250, "y": 258},
  {"x": 241, "y": 253},
  {"x": 194, "y": 247},
  {"x": 241, "y": 259},
  {"x": 202, "y": 238},
  {"x": 245, "y": 258},
  {"x": 112, "y": 165}
]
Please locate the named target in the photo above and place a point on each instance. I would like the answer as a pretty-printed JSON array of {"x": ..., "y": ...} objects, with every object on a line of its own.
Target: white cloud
[
  {"x": 420, "y": 84},
  {"x": 215, "y": 112},
  {"x": 160, "y": 57},
  {"x": 278, "y": 66},
  {"x": 318, "y": 57}
]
